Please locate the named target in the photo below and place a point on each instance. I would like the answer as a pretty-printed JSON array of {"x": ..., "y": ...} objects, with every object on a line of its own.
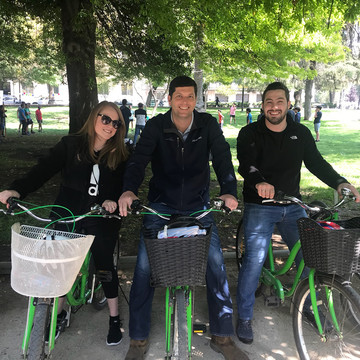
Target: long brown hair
[{"x": 114, "y": 151}]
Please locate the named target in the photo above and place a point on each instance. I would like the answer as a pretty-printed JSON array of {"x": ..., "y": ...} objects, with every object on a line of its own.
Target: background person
[
  {"x": 3, "y": 117},
  {"x": 297, "y": 111},
  {"x": 22, "y": 119},
  {"x": 126, "y": 113},
  {"x": 178, "y": 144},
  {"x": 270, "y": 153},
  {"x": 232, "y": 112},
  {"x": 39, "y": 118},
  {"x": 141, "y": 116},
  {"x": 248, "y": 116},
  {"x": 92, "y": 164},
  {"x": 29, "y": 121},
  {"x": 317, "y": 122}
]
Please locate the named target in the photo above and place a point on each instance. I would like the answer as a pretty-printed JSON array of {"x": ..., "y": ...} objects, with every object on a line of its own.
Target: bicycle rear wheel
[
  {"x": 36, "y": 349},
  {"x": 340, "y": 342}
]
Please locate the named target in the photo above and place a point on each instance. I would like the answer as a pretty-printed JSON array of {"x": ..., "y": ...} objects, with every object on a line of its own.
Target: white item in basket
[
  {"x": 185, "y": 231},
  {"x": 46, "y": 268}
]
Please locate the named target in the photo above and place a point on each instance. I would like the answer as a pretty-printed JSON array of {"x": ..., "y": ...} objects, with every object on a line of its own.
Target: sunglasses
[{"x": 106, "y": 120}]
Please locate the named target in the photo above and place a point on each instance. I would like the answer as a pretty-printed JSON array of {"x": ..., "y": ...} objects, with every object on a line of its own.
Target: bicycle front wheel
[
  {"x": 180, "y": 340},
  {"x": 341, "y": 336},
  {"x": 37, "y": 338}
]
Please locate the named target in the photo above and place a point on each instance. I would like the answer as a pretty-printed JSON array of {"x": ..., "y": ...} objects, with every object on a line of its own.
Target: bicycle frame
[{"x": 269, "y": 276}]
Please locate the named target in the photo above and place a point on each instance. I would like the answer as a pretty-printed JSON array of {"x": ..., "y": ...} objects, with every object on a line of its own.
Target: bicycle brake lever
[{"x": 135, "y": 206}]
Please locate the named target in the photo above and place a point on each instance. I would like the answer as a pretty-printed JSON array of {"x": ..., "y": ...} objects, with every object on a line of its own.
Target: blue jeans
[
  {"x": 218, "y": 294},
  {"x": 259, "y": 222},
  {"x": 138, "y": 130}
]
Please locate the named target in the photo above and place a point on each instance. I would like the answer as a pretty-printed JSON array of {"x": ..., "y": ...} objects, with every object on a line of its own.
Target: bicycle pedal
[
  {"x": 199, "y": 328},
  {"x": 272, "y": 301}
]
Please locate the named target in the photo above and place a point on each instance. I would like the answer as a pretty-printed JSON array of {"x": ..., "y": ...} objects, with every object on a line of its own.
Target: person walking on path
[
  {"x": 178, "y": 144},
  {"x": 270, "y": 153},
  {"x": 317, "y": 122}
]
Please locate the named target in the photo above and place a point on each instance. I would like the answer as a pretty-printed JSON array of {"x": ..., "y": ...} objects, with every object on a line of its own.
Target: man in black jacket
[
  {"x": 178, "y": 145},
  {"x": 270, "y": 153}
]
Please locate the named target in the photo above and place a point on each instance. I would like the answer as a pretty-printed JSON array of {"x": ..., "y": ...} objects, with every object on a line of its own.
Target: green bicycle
[
  {"x": 46, "y": 264},
  {"x": 178, "y": 261},
  {"x": 325, "y": 306}
]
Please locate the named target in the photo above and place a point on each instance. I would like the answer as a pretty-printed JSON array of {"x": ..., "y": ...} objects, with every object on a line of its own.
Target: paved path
[{"x": 85, "y": 338}]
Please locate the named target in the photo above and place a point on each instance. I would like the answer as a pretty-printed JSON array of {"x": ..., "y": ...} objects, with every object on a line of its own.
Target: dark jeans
[
  {"x": 218, "y": 295},
  {"x": 259, "y": 222}
]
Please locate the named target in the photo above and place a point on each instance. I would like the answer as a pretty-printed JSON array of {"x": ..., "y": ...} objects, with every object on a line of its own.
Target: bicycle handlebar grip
[
  {"x": 135, "y": 205},
  {"x": 279, "y": 195}
]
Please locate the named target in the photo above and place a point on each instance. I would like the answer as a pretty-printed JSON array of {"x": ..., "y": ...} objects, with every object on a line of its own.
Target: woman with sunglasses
[{"x": 91, "y": 164}]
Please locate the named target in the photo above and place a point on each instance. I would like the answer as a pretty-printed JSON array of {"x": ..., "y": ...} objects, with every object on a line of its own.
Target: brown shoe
[
  {"x": 137, "y": 349},
  {"x": 226, "y": 346}
]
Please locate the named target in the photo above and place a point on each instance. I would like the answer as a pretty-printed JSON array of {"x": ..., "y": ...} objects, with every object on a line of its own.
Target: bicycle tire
[
  {"x": 180, "y": 339},
  {"x": 36, "y": 349},
  {"x": 99, "y": 300},
  {"x": 343, "y": 345},
  {"x": 354, "y": 279}
]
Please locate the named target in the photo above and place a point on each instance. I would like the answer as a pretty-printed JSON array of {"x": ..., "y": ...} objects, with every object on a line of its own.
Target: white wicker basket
[{"x": 45, "y": 262}]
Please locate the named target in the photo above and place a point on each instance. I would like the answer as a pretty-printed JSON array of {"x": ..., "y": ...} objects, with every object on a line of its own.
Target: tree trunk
[
  {"x": 198, "y": 77},
  {"x": 78, "y": 26},
  {"x": 308, "y": 93},
  {"x": 297, "y": 97},
  {"x": 149, "y": 97}
]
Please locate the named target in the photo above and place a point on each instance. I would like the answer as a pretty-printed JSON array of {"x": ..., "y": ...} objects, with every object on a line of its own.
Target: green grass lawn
[{"x": 340, "y": 144}]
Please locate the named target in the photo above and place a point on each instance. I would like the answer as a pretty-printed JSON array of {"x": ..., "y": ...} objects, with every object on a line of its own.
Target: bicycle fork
[
  {"x": 174, "y": 318},
  {"x": 33, "y": 303}
]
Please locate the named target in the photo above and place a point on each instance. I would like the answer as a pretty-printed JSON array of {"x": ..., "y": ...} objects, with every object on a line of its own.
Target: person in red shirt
[
  {"x": 221, "y": 119},
  {"x": 39, "y": 118}
]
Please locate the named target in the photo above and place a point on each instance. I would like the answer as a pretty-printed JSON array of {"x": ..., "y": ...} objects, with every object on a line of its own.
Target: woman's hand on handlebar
[
  {"x": 265, "y": 190},
  {"x": 109, "y": 205},
  {"x": 6, "y": 194},
  {"x": 351, "y": 188},
  {"x": 229, "y": 201},
  {"x": 125, "y": 201}
]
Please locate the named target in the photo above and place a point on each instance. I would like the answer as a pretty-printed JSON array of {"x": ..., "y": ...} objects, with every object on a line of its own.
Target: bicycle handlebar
[
  {"x": 281, "y": 198},
  {"x": 94, "y": 210},
  {"x": 218, "y": 205}
]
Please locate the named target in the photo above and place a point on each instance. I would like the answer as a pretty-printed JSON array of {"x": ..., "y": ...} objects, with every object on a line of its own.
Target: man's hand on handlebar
[
  {"x": 351, "y": 188},
  {"x": 265, "y": 190},
  {"x": 125, "y": 201},
  {"x": 6, "y": 194},
  {"x": 229, "y": 201}
]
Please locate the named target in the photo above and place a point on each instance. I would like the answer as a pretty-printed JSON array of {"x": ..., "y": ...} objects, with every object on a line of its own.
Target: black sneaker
[
  {"x": 115, "y": 335},
  {"x": 61, "y": 323},
  {"x": 244, "y": 331}
]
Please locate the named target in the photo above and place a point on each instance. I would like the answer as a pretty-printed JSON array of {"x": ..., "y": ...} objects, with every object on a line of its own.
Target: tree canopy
[{"x": 157, "y": 40}]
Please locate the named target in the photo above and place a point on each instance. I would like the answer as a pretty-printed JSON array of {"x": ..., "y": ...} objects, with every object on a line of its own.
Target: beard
[{"x": 276, "y": 120}]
